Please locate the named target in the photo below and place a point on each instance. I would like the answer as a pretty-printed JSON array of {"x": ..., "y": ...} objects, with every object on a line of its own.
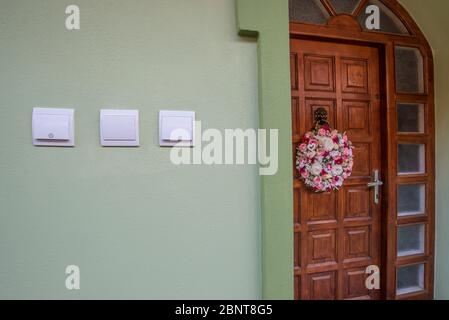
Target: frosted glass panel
[
  {"x": 389, "y": 22},
  {"x": 411, "y": 200},
  {"x": 344, "y": 6},
  {"x": 410, "y": 118},
  {"x": 411, "y": 158},
  {"x": 411, "y": 240},
  {"x": 409, "y": 70},
  {"x": 410, "y": 279},
  {"x": 308, "y": 11}
]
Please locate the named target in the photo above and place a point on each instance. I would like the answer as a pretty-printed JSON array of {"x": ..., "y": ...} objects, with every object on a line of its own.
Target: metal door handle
[{"x": 376, "y": 183}]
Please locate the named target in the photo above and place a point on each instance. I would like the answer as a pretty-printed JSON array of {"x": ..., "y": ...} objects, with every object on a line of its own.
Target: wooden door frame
[{"x": 344, "y": 28}]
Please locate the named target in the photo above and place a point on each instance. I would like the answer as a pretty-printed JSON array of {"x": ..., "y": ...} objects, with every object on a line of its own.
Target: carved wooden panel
[
  {"x": 354, "y": 75},
  {"x": 358, "y": 202},
  {"x": 297, "y": 287},
  {"x": 297, "y": 205},
  {"x": 294, "y": 71},
  {"x": 322, "y": 207},
  {"x": 319, "y": 73},
  {"x": 297, "y": 249},
  {"x": 295, "y": 117},
  {"x": 354, "y": 284},
  {"x": 362, "y": 160},
  {"x": 322, "y": 286},
  {"x": 322, "y": 247},
  {"x": 357, "y": 243},
  {"x": 357, "y": 118}
]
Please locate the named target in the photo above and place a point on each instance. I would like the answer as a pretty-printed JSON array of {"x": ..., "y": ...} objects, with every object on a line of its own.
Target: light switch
[
  {"x": 53, "y": 127},
  {"x": 176, "y": 128},
  {"x": 119, "y": 128}
]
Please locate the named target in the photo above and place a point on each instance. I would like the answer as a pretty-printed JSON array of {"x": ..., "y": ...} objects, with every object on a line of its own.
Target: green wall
[
  {"x": 268, "y": 21},
  {"x": 431, "y": 16},
  {"x": 137, "y": 226}
]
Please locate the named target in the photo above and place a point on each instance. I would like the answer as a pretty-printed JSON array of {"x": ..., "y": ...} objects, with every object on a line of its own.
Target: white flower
[
  {"x": 311, "y": 154},
  {"x": 328, "y": 144},
  {"x": 316, "y": 169},
  {"x": 335, "y": 154},
  {"x": 337, "y": 170}
]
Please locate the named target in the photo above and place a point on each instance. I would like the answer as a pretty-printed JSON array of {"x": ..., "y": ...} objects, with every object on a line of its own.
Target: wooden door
[{"x": 337, "y": 234}]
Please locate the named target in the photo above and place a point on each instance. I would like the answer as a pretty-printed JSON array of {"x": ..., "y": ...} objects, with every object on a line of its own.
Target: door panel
[{"x": 337, "y": 234}]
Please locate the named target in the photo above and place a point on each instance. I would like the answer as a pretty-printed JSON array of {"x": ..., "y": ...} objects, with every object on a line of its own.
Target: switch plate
[
  {"x": 119, "y": 128},
  {"x": 53, "y": 127},
  {"x": 176, "y": 128}
]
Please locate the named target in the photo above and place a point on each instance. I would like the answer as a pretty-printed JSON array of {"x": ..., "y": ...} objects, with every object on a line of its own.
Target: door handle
[{"x": 376, "y": 183}]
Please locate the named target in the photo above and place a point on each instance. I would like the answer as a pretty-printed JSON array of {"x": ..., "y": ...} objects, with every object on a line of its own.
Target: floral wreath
[{"x": 324, "y": 157}]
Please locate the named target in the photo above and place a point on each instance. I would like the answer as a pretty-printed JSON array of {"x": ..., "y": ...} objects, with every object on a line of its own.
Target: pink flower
[
  {"x": 338, "y": 181},
  {"x": 326, "y": 127},
  {"x": 303, "y": 147},
  {"x": 305, "y": 174},
  {"x": 322, "y": 132}
]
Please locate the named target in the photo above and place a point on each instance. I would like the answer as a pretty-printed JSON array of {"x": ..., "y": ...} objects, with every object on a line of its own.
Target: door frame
[{"x": 344, "y": 28}]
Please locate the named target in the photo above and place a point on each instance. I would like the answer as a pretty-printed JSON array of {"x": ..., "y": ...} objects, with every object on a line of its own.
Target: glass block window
[
  {"x": 411, "y": 240},
  {"x": 308, "y": 11},
  {"x": 344, "y": 6},
  {"x": 389, "y": 22},
  {"x": 410, "y": 117},
  {"x": 411, "y": 200},
  {"x": 411, "y": 158},
  {"x": 410, "y": 279},
  {"x": 409, "y": 70}
]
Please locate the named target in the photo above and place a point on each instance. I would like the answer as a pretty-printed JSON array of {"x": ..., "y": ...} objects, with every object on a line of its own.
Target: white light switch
[
  {"x": 119, "y": 128},
  {"x": 176, "y": 128},
  {"x": 53, "y": 127}
]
